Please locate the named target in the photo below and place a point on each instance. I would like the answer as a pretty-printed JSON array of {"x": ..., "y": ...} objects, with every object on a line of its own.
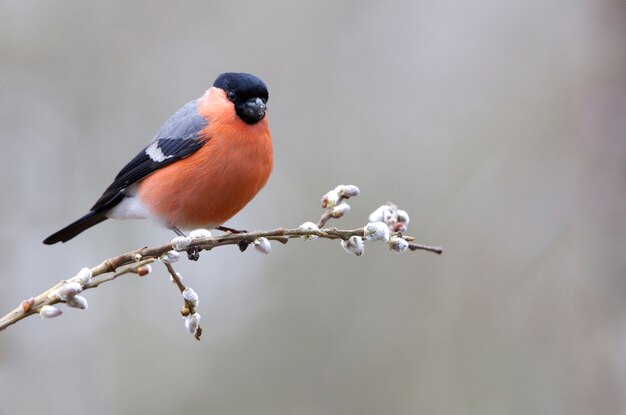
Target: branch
[{"x": 387, "y": 224}]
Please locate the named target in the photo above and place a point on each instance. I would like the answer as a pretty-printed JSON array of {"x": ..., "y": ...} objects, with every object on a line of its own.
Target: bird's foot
[
  {"x": 243, "y": 245},
  {"x": 230, "y": 230},
  {"x": 193, "y": 254}
]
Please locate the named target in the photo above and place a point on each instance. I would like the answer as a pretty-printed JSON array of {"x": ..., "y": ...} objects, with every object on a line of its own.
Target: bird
[{"x": 203, "y": 166}]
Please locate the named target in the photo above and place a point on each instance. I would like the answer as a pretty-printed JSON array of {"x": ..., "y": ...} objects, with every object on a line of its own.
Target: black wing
[{"x": 177, "y": 139}]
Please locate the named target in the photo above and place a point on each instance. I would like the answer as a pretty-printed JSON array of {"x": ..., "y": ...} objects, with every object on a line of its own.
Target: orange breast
[{"x": 217, "y": 181}]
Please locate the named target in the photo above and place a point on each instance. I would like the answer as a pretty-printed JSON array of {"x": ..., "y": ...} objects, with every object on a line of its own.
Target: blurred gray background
[{"x": 498, "y": 125}]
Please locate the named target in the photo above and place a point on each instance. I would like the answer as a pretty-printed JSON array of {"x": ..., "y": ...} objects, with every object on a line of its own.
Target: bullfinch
[{"x": 203, "y": 166}]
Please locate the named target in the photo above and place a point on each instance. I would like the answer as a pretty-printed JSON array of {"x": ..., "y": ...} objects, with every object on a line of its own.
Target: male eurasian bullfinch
[{"x": 202, "y": 167}]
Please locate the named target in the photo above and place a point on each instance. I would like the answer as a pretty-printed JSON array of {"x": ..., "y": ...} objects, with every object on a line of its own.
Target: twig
[
  {"x": 436, "y": 249},
  {"x": 128, "y": 269},
  {"x": 189, "y": 307},
  {"x": 34, "y": 304},
  {"x": 387, "y": 223},
  {"x": 147, "y": 255}
]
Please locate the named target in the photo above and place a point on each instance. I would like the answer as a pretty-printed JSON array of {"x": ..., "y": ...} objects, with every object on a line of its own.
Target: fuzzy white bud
[
  {"x": 180, "y": 277},
  {"x": 68, "y": 290},
  {"x": 83, "y": 277},
  {"x": 402, "y": 217},
  {"x": 137, "y": 257},
  {"x": 199, "y": 234},
  {"x": 340, "y": 210},
  {"x": 262, "y": 245},
  {"x": 192, "y": 322},
  {"x": 354, "y": 245},
  {"x": 377, "y": 215},
  {"x": 376, "y": 231},
  {"x": 190, "y": 295},
  {"x": 180, "y": 243},
  {"x": 398, "y": 244},
  {"x": 170, "y": 257},
  {"x": 309, "y": 226},
  {"x": 390, "y": 215},
  {"x": 50, "y": 311},
  {"x": 330, "y": 199},
  {"x": 348, "y": 190},
  {"x": 78, "y": 301}
]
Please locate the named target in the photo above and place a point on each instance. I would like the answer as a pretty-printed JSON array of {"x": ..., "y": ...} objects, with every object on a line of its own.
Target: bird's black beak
[{"x": 252, "y": 110}]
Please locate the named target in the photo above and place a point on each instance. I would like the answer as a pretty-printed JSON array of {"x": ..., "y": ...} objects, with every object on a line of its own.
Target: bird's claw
[
  {"x": 243, "y": 245},
  {"x": 231, "y": 230},
  {"x": 193, "y": 254}
]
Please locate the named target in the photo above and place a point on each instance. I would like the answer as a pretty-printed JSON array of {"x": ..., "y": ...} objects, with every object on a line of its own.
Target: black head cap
[
  {"x": 247, "y": 92},
  {"x": 245, "y": 85}
]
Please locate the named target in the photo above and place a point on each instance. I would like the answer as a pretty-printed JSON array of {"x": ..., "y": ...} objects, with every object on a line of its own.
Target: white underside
[
  {"x": 133, "y": 208},
  {"x": 130, "y": 208}
]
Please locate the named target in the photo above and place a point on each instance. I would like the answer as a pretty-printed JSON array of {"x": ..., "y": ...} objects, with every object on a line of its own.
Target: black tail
[{"x": 90, "y": 219}]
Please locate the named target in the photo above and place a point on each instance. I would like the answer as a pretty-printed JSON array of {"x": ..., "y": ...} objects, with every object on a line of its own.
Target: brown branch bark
[{"x": 130, "y": 262}]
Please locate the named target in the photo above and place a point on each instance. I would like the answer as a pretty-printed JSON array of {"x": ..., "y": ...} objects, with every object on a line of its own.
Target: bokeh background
[{"x": 500, "y": 126}]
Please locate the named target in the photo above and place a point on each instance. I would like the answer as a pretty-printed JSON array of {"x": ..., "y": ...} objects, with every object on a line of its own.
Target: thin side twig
[{"x": 189, "y": 308}]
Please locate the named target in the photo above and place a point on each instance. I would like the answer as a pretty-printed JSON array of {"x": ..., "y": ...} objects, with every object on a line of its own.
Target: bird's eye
[{"x": 232, "y": 96}]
